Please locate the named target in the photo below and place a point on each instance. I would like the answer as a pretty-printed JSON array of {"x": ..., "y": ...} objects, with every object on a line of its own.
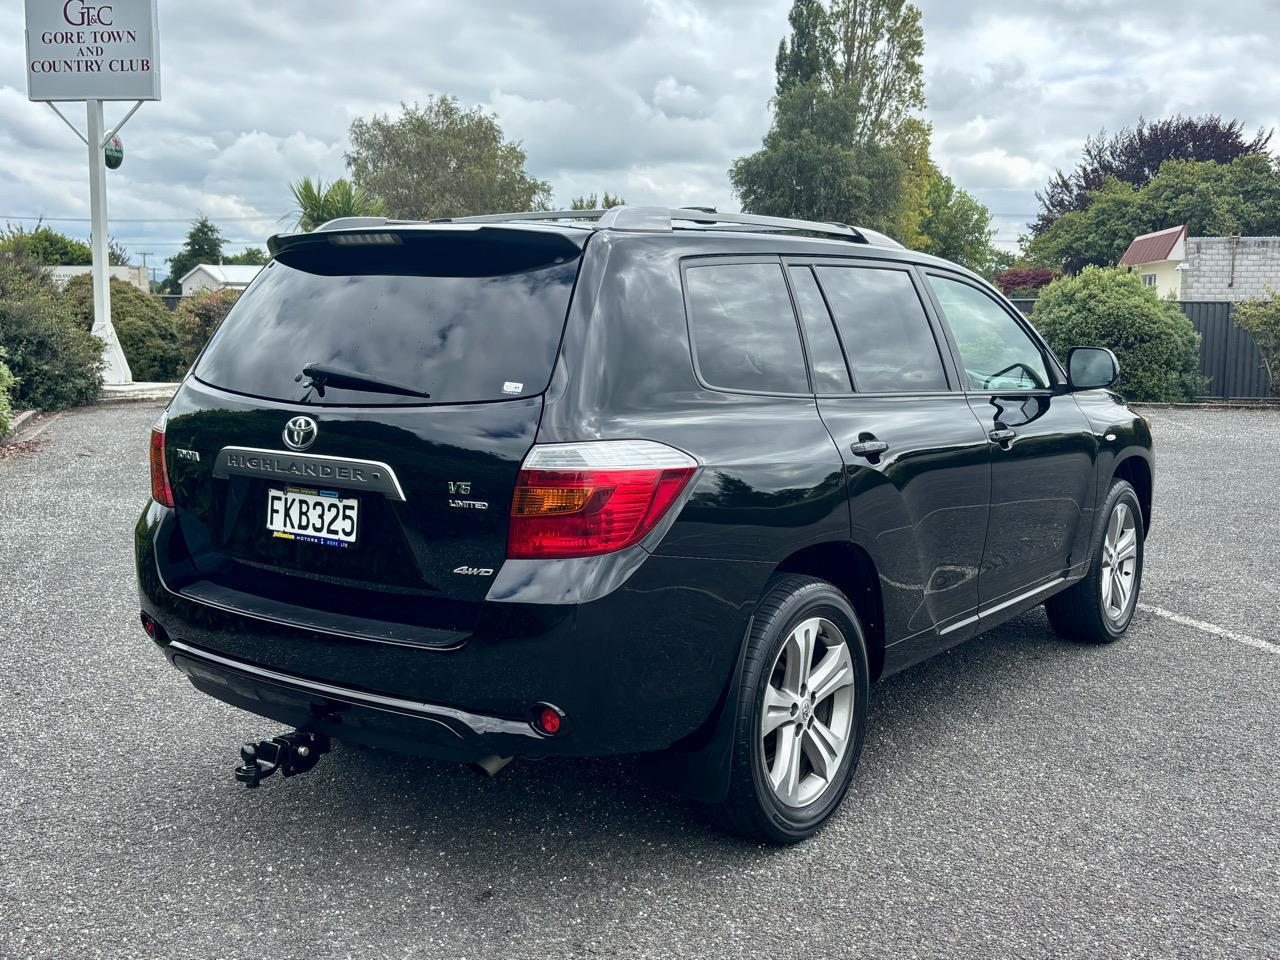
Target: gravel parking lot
[{"x": 1018, "y": 796}]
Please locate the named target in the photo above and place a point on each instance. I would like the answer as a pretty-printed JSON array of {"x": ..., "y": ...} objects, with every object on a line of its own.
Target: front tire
[
  {"x": 801, "y": 716},
  {"x": 1099, "y": 608}
]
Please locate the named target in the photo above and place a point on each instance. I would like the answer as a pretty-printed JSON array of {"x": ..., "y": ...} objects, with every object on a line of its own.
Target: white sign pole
[{"x": 117, "y": 367}]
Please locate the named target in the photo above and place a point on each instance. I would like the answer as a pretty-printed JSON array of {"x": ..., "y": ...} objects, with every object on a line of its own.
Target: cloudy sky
[{"x": 652, "y": 99}]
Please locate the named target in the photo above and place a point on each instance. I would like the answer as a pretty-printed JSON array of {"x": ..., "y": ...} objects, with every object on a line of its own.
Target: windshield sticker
[{"x": 511, "y": 386}]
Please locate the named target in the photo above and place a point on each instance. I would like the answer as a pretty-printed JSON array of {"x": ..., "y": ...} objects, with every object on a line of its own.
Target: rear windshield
[{"x": 465, "y": 317}]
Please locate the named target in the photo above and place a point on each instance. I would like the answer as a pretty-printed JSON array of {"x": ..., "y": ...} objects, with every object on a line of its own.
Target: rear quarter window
[{"x": 743, "y": 328}]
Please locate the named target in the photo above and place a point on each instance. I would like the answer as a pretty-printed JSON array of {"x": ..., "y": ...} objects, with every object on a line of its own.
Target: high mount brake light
[
  {"x": 584, "y": 499},
  {"x": 161, "y": 492}
]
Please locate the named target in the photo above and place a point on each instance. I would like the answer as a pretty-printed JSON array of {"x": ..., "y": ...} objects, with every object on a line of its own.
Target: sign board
[{"x": 92, "y": 50}]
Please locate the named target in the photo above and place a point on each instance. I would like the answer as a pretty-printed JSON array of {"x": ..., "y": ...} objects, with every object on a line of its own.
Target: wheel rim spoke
[
  {"x": 785, "y": 775},
  {"x": 824, "y": 749},
  {"x": 778, "y": 711},
  {"x": 834, "y": 671}
]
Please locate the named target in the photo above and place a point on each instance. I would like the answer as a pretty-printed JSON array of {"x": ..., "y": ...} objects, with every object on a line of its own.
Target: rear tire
[
  {"x": 1099, "y": 608},
  {"x": 801, "y": 714}
]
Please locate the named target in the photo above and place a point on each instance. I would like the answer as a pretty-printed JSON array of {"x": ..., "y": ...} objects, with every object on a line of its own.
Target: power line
[{"x": 142, "y": 219}]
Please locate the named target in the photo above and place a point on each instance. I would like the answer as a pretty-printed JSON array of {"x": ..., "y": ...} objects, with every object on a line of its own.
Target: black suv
[{"x": 624, "y": 481}]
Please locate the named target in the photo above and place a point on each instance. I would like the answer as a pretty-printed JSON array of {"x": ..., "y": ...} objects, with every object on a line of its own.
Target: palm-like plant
[{"x": 315, "y": 203}]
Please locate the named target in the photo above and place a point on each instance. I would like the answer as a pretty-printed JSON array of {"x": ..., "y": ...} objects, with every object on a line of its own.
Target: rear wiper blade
[{"x": 323, "y": 375}]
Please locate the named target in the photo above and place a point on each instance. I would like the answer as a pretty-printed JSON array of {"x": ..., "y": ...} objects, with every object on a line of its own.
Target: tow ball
[{"x": 289, "y": 754}]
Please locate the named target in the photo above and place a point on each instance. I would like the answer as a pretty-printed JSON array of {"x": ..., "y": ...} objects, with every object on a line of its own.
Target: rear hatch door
[{"x": 345, "y": 451}]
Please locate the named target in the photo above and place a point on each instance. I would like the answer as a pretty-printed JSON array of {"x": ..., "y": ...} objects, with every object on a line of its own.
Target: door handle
[
  {"x": 1002, "y": 436},
  {"x": 869, "y": 448}
]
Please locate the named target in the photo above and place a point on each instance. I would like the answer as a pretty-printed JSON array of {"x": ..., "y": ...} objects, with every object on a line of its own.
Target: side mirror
[{"x": 1091, "y": 368}]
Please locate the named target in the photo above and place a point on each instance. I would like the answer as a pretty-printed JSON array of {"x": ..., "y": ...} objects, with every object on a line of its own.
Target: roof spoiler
[{"x": 637, "y": 219}]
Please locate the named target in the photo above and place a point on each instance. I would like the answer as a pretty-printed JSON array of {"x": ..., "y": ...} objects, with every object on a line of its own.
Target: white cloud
[{"x": 649, "y": 98}]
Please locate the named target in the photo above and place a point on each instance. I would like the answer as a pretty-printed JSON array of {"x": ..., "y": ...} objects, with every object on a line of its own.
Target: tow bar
[{"x": 289, "y": 753}]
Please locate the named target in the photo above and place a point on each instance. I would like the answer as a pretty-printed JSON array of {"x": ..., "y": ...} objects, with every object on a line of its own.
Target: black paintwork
[{"x": 638, "y": 648}]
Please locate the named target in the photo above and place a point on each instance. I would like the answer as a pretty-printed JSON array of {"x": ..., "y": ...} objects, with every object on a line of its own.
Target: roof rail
[
  {"x": 525, "y": 215},
  {"x": 653, "y": 219}
]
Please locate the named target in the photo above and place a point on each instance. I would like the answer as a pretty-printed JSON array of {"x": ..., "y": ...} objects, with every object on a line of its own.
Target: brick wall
[{"x": 1257, "y": 265}]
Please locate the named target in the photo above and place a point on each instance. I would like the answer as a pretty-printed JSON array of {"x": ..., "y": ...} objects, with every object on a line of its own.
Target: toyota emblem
[{"x": 300, "y": 433}]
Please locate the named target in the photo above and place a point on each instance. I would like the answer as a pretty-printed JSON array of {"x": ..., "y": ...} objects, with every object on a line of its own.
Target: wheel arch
[
  {"x": 1137, "y": 471},
  {"x": 851, "y": 569}
]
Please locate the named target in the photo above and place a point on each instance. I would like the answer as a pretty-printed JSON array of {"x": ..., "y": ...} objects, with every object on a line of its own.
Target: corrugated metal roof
[
  {"x": 1151, "y": 247},
  {"x": 232, "y": 274}
]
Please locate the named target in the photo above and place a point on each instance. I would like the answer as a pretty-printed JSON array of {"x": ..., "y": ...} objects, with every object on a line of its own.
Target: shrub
[
  {"x": 1158, "y": 349},
  {"x": 143, "y": 325},
  {"x": 1262, "y": 319},
  {"x": 56, "y": 363},
  {"x": 196, "y": 319},
  {"x": 6, "y": 384},
  {"x": 1024, "y": 281}
]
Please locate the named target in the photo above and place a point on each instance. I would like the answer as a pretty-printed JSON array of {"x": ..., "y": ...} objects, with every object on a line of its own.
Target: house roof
[
  {"x": 1151, "y": 247},
  {"x": 231, "y": 274}
]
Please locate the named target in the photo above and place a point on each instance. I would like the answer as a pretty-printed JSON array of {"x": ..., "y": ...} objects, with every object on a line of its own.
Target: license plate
[{"x": 313, "y": 516}]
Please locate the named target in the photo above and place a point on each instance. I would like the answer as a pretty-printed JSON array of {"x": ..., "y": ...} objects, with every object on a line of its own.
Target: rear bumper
[
  {"x": 390, "y": 722},
  {"x": 638, "y": 659}
]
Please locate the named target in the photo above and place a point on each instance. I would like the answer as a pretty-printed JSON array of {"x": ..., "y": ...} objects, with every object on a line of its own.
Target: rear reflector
[
  {"x": 161, "y": 492},
  {"x": 583, "y": 499}
]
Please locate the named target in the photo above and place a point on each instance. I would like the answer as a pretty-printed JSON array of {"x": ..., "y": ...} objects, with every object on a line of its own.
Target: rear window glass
[
  {"x": 465, "y": 317},
  {"x": 744, "y": 329},
  {"x": 884, "y": 328}
]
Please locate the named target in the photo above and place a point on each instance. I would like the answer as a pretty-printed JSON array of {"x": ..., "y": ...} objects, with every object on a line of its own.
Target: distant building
[
  {"x": 135, "y": 275},
  {"x": 1205, "y": 268},
  {"x": 217, "y": 276},
  {"x": 1156, "y": 257}
]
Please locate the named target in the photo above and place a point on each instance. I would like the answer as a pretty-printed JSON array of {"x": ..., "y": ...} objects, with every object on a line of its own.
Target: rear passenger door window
[
  {"x": 744, "y": 329},
  {"x": 995, "y": 352},
  {"x": 886, "y": 334},
  {"x": 826, "y": 359}
]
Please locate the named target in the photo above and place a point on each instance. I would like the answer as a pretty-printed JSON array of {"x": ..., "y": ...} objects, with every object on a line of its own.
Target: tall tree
[
  {"x": 315, "y": 203},
  {"x": 1134, "y": 156},
  {"x": 807, "y": 54},
  {"x": 203, "y": 245},
  {"x": 439, "y": 160},
  {"x": 811, "y": 166},
  {"x": 848, "y": 76},
  {"x": 880, "y": 44}
]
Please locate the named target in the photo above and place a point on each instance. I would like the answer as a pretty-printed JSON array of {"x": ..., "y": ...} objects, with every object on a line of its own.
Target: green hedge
[
  {"x": 143, "y": 325},
  {"x": 1158, "y": 348},
  {"x": 6, "y": 384},
  {"x": 197, "y": 317},
  {"x": 57, "y": 364}
]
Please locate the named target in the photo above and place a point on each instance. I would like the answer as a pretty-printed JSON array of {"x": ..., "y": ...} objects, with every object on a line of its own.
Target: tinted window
[
  {"x": 830, "y": 375},
  {"x": 744, "y": 330},
  {"x": 997, "y": 354},
  {"x": 885, "y": 330},
  {"x": 416, "y": 313}
]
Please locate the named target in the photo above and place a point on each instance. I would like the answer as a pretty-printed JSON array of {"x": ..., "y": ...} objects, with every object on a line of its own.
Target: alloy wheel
[
  {"x": 807, "y": 718},
  {"x": 1119, "y": 563}
]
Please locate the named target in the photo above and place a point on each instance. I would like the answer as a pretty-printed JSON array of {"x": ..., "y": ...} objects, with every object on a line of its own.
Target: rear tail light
[
  {"x": 583, "y": 499},
  {"x": 161, "y": 492}
]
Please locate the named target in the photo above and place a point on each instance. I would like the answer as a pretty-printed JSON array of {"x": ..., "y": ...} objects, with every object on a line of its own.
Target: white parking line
[{"x": 1212, "y": 629}]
